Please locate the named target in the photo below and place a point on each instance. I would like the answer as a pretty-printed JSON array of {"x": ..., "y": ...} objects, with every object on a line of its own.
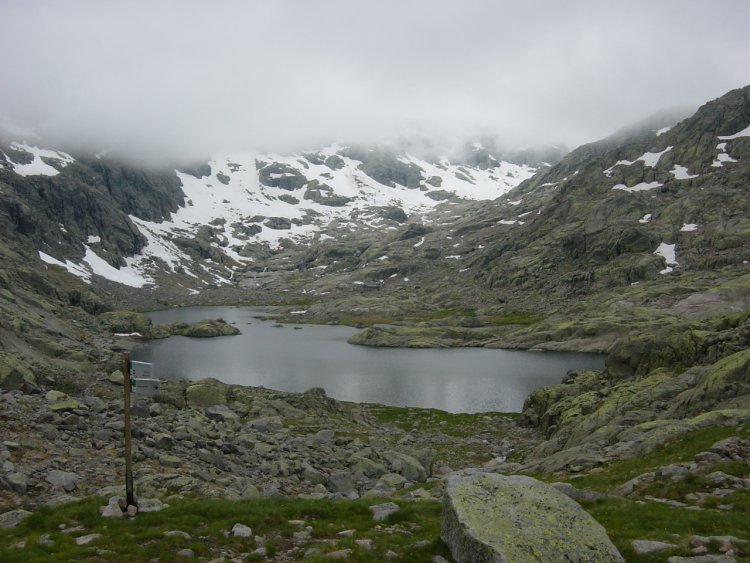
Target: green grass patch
[
  {"x": 697, "y": 483},
  {"x": 208, "y": 521},
  {"x": 626, "y": 520},
  {"x": 680, "y": 449},
  {"x": 452, "y": 424},
  {"x": 518, "y": 318}
]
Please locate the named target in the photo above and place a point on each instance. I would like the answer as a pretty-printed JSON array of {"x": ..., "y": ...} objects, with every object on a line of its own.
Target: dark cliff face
[{"x": 87, "y": 198}]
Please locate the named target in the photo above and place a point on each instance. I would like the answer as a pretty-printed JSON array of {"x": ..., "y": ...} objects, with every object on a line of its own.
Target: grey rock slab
[
  {"x": 340, "y": 482},
  {"x": 646, "y": 547},
  {"x": 151, "y": 505},
  {"x": 578, "y": 494},
  {"x": 266, "y": 424},
  {"x": 221, "y": 413},
  {"x": 324, "y": 436},
  {"x": 339, "y": 554},
  {"x": 112, "y": 510},
  {"x": 381, "y": 511},
  {"x": 65, "y": 479},
  {"x": 12, "y": 518},
  {"x": 87, "y": 539},
  {"x": 242, "y": 531},
  {"x": 406, "y": 465},
  {"x": 17, "y": 482},
  {"x": 496, "y": 518}
]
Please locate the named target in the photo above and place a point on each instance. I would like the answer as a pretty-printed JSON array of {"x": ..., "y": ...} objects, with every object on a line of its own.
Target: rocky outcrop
[{"x": 497, "y": 519}]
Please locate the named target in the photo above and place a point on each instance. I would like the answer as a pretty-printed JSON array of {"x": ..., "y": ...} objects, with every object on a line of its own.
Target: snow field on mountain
[
  {"x": 241, "y": 197},
  {"x": 37, "y": 167}
]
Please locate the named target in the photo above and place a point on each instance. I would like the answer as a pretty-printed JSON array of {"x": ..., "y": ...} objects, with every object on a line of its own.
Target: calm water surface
[{"x": 455, "y": 380}]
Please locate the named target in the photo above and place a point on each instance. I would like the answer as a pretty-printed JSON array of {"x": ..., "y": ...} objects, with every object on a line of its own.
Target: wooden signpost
[{"x": 129, "y": 494}]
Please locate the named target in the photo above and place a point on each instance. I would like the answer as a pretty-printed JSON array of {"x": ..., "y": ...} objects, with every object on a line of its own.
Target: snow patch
[
  {"x": 38, "y": 167},
  {"x": 649, "y": 159},
  {"x": 689, "y": 227},
  {"x": 681, "y": 173},
  {"x": 722, "y": 157},
  {"x": 646, "y": 218},
  {"x": 642, "y": 187},
  {"x": 101, "y": 267},
  {"x": 667, "y": 251},
  {"x": 744, "y": 133},
  {"x": 71, "y": 267},
  {"x": 93, "y": 239},
  {"x": 662, "y": 131}
]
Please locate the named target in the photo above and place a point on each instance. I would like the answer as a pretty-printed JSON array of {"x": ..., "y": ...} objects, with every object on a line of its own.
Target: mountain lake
[{"x": 298, "y": 357}]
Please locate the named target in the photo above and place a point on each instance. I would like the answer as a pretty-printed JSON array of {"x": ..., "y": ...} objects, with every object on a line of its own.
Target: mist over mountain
[{"x": 184, "y": 80}]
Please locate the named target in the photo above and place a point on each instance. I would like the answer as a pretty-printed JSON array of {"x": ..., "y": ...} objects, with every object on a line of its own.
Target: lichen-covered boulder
[
  {"x": 14, "y": 373},
  {"x": 206, "y": 393},
  {"x": 496, "y": 518}
]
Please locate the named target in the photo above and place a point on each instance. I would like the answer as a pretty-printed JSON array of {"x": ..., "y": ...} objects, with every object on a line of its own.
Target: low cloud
[{"x": 185, "y": 79}]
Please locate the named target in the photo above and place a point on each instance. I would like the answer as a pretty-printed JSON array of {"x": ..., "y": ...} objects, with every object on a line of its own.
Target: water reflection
[{"x": 455, "y": 380}]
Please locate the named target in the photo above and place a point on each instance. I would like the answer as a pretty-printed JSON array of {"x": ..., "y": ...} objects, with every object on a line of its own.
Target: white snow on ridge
[
  {"x": 642, "y": 187},
  {"x": 722, "y": 157},
  {"x": 689, "y": 227},
  {"x": 667, "y": 251},
  {"x": 234, "y": 194},
  {"x": 649, "y": 159},
  {"x": 38, "y": 167},
  {"x": 243, "y": 197},
  {"x": 744, "y": 133},
  {"x": 662, "y": 131},
  {"x": 681, "y": 173},
  {"x": 646, "y": 218},
  {"x": 94, "y": 264}
]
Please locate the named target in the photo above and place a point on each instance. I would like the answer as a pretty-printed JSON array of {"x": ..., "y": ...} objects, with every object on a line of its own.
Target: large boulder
[
  {"x": 206, "y": 393},
  {"x": 497, "y": 518},
  {"x": 14, "y": 373}
]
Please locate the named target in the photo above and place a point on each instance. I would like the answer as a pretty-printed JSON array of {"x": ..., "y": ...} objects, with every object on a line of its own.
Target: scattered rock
[
  {"x": 266, "y": 424},
  {"x": 647, "y": 547},
  {"x": 324, "y": 436},
  {"x": 12, "y": 518},
  {"x": 382, "y": 511},
  {"x": 340, "y": 482},
  {"x": 241, "y": 531},
  {"x": 17, "y": 482},
  {"x": 177, "y": 534},
  {"x": 65, "y": 479},
  {"x": 112, "y": 510},
  {"x": 117, "y": 378},
  {"x": 221, "y": 413},
  {"x": 87, "y": 539}
]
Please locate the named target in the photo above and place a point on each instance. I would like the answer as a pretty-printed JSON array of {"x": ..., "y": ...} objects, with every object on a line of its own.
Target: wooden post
[{"x": 129, "y": 495}]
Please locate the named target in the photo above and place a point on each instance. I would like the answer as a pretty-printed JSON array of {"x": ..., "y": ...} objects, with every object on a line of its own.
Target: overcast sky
[{"x": 184, "y": 78}]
